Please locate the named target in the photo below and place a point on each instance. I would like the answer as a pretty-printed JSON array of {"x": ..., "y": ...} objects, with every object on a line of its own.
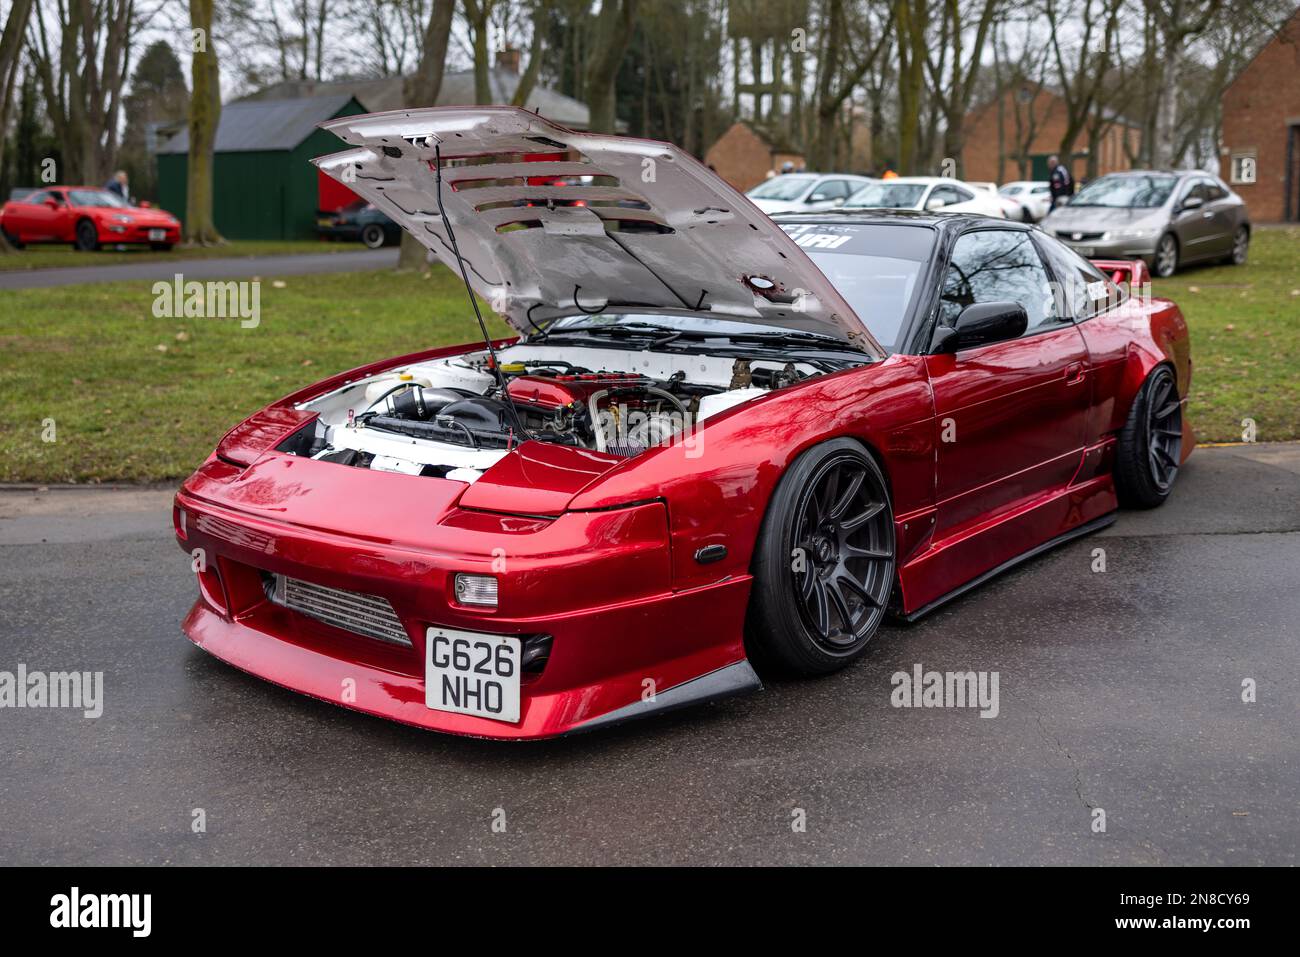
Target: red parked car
[
  {"x": 87, "y": 217},
  {"x": 718, "y": 442}
]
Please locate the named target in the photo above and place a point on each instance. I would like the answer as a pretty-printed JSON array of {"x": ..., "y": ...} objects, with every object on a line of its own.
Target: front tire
[
  {"x": 823, "y": 564},
  {"x": 1151, "y": 443},
  {"x": 87, "y": 236},
  {"x": 1165, "y": 262}
]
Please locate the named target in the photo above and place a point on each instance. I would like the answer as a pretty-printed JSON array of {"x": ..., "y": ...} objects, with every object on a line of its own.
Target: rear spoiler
[{"x": 1119, "y": 271}]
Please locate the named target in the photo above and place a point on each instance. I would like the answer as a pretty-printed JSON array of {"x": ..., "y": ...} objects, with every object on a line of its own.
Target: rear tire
[
  {"x": 823, "y": 564},
  {"x": 372, "y": 235},
  {"x": 1240, "y": 247},
  {"x": 1150, "y": 443},
  {"x": 87, "y": 236}
]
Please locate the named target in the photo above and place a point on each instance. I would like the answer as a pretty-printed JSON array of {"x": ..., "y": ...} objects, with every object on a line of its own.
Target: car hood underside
[{"x": 554, "y": 223}]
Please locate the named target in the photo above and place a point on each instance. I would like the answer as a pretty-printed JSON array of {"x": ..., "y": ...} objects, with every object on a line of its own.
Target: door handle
[{"x": 1074, "y": 373}]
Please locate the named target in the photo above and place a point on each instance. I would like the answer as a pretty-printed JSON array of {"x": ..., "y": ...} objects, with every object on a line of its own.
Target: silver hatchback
[{"x": 1169, "y": 219}]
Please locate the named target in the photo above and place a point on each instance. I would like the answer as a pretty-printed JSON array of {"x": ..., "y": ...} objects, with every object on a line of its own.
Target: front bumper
[
  {"x": 624, "y": 643},
  {"x": 1144, "y": 248}
]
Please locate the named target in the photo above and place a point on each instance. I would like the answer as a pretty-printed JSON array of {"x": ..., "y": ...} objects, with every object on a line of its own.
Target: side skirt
[
  {"x": 724, "y": 683},
  {"x": 1085, "y": 529}
]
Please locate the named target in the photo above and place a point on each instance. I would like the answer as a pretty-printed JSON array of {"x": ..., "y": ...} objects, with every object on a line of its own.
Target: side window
[
  {"x": 963, "y": 195},
  {"x": 945, "y": 194},
  {"x": 1084, "y": 290},
  {"x": 995, "y": 265},
  {"x": 1213, "y": 191},
  {"x": 831, "y": 189},
  {"x": 1197, "y": 191},
  {"x": 37, "y": 198}
]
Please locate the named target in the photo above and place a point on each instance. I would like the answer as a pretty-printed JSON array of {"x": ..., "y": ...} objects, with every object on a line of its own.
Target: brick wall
[
  {"x": 1258, "y": 107},
  {"x": 743, "y": 157},
  {"x": 986, "y": 158}
]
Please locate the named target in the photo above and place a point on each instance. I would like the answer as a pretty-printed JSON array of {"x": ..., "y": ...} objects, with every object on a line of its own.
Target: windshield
[
  {"x": 874, "y": 266},
  {"x": 888, "y": 195},
  {"x": 1011, "y": 190},
  {"x": 787, "y": 187},
  {"x": 1127, "y": 191},
  {"x": 96, "y": 197}
]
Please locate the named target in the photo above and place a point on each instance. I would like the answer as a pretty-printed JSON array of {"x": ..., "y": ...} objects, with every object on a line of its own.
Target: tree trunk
[
  {"x": 11, "y": 42},
  {"x": 614, "y": 27},
  {"x": 423, "y": 90},
  {"x": 205, "y": 114}
]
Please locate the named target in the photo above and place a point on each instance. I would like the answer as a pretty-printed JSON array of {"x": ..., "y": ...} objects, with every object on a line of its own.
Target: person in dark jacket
[
  {"x": 118, "y": 185},
  {"x": 1062, "y": 183}
]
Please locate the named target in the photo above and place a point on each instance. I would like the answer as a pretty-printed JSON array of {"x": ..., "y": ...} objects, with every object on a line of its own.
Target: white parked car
[
  {"x": 1033, "y": 195},
  {"x": 805, "y": 192},
  {"x": 1010, "y": 208},
  {"x": 928, "y": 193}
]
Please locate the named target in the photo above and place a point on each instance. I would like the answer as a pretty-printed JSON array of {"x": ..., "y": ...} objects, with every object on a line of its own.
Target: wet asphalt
[{"x": 1120, "y": 691}]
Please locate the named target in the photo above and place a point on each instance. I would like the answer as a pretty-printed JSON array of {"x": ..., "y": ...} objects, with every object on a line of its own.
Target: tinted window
[
  {"x": 37, "y": 198},
  {"x": 1084, "y": 290},
  {"x": 874, "y": 267},
  {"x": 96, "y": 197},
  {"x": 996, "y": 265}
]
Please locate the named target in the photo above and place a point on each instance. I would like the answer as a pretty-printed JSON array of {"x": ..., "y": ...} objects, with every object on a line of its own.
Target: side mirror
[
  {"x": 816, "y": 198},
  {"x": 980, "y": 324},
  {"x": 1193, "y": 202},
  {"x": 934, "y": 204},
  {"x": 144, "y": 204}
]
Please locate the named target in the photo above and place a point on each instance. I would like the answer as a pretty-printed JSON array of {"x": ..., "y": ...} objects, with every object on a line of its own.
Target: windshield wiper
[{"x": 615, "y": 329}]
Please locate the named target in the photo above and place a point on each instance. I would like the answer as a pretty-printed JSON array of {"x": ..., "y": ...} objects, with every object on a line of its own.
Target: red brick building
[
  {"x": 1010, "y": 138},
  {"x": 1261, "y": 129},
  {"x": 744, "y": 154}
]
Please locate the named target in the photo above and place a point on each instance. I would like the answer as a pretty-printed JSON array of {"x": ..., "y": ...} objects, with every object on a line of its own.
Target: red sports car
[
  {"x": 717, "y": 440},
  {"x": 87, "y": 217}
]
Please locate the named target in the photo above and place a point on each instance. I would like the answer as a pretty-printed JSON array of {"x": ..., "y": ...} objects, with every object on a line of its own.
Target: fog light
[{"x": 476, "y": 590}]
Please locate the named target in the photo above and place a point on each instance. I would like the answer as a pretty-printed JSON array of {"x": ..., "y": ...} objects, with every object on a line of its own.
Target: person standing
[
  {"x": 1062, "y": 184},
  {"x": 118, "y": 185}
]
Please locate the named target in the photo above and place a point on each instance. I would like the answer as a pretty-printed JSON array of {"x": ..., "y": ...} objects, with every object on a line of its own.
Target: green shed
[{"x": 263, "y": 185}]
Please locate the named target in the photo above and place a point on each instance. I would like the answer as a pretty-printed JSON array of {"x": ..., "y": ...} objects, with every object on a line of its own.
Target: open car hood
[{"x": 554, "y": 223}]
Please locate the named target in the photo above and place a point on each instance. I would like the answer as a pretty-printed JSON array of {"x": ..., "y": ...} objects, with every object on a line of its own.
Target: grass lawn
[
  {"x": 1245, "y": 324},
  {"x": 136, "y": 398},
  {"x": 52, "y": 256}
]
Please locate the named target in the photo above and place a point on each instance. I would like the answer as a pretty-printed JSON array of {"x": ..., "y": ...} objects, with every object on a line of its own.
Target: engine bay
[{"x": 448, "y": 417}]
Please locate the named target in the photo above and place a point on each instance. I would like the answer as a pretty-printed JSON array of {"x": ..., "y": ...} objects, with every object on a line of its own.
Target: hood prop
[{"x": 520, "y": 431}]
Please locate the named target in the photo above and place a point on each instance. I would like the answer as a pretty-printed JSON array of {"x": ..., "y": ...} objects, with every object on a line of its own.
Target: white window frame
[{"x": 1234, "y": 172}]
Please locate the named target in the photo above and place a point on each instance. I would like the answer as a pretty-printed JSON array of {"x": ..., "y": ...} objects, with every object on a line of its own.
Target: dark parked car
[
  {"x": 359, "y": 220},
  {"x": 1168, "y": 218}
]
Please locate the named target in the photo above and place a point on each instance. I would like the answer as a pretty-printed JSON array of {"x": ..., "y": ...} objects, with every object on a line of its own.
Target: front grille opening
[{"x": 361, "y": 614}]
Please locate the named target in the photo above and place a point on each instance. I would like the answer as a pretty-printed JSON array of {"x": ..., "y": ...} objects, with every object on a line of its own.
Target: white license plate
[
  {"x": 157, "y": 235},
  {"x": 467, "y": 672}
]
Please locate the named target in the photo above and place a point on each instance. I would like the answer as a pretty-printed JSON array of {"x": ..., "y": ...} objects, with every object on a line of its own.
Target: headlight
[
  {"x": 122, "y": 219},
  {"x": 480, "y": 590}
]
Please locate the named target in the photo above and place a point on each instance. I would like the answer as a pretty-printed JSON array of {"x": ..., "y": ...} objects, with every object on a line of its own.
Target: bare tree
[
  {"x": 205, "y": 115},
  {"x": 422, "y": 89},
  {"x": 613, "y": 31},
  {"x": 955, "y": 70},
  {"x": 911, "y": 22},
  {"x": 81, "y": 53},
  {"x": 11, "y": 48}
]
